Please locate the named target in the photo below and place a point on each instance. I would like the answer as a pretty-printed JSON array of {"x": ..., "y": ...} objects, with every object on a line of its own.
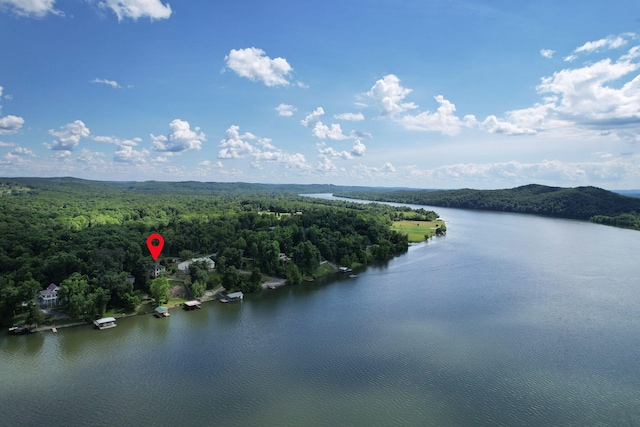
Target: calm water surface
[{"x": 507, "y": 320}]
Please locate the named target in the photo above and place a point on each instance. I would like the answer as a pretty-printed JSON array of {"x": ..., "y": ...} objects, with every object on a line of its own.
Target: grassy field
[{"x": 417, "y": 231}]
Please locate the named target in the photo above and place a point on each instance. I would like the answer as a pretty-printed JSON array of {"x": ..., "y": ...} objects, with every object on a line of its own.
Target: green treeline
[
  {"x": 89, "y": 237},
  {"x": 586, "y": 203}
]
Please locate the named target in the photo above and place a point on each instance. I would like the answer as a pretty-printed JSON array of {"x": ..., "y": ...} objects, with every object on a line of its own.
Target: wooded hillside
[
  {"x": 88, "y": 236},
  {"x": 586, "y": 203}
]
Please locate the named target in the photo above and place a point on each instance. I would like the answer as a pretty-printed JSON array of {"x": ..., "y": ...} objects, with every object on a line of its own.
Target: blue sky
[{"x": 426, "y": 94}]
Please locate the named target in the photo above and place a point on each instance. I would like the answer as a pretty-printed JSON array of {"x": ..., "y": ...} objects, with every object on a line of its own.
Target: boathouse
[
  {"x": 233, "y": 296},
  {"x": 192, "y": 305},
  {"x": 162, "y": 311},
  {"x": 105, "y": 323}
]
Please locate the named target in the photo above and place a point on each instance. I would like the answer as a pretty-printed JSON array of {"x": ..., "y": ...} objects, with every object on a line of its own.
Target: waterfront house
[
  {"x": 156, "y": 270},
  {"x": 284, "y": 258},
  {"x": 49, "y": 296}
]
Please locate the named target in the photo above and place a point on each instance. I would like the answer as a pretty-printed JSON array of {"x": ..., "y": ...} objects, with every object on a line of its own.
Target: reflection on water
[{"x": 508, "y": 320}]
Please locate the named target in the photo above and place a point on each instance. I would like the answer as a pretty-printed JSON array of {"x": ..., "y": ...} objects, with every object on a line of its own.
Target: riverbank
[{"x": 176, "y": 300}]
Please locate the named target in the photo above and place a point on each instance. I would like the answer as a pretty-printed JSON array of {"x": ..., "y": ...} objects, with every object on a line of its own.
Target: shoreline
[{"x": 210, "y": 295}]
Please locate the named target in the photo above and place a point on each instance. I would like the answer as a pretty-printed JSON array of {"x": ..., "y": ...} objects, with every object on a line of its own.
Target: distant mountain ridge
[
  {"x": 585, "y": 203},
  {"x": 68, "y": 184}
]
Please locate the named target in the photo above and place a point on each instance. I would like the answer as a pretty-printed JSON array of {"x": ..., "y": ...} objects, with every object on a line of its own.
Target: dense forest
[
  {"x": 89, "y": 237},
  {"x": 585, "y": 203}
]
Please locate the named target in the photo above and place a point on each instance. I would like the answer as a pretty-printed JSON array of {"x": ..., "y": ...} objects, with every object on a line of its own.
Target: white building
[
  {"x": 49, "y": 297},
  {"x": 183, "y": 267}
]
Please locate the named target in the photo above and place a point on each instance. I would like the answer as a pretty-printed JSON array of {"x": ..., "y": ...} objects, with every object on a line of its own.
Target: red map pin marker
[{"x": 155, "y": 250}]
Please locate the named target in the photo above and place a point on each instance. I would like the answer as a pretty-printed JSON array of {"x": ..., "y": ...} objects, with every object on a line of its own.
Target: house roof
[
  {"x": 185, "y": 264},
  {"x": 161, "y": 309},
  {"x": 50, "y": 289},
  {"x": 235, "y": 295}
]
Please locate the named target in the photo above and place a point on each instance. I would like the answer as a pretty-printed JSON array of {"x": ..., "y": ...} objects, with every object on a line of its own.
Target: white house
[
  {"x": 183, "y": 267},
  {"x": 49, "y": 296}
]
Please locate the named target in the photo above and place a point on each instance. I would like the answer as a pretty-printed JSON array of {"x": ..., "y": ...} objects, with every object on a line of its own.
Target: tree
[
  {"x": 73, "y": 291},
  {"x": 293, "y": 275},
  {"x": 255, "y": 279},
  {"x": 221, "y": 265},
  {"x": 198, "y": 288},
  {"x": 231, "y": 279},
  {"x": 160, "y": 290},
  {"x": 233, "y": 257},
  {"x": 96, "y": 303},
  {"x": 198, "y": 271},
  {"x": 186, "y": 254},
  {"x": 307, "y": 256},
  {"x": 35, "y": 316}
]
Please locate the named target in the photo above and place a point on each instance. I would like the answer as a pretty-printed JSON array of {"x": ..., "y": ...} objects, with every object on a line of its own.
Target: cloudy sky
[{"x": 415, "y": 93}]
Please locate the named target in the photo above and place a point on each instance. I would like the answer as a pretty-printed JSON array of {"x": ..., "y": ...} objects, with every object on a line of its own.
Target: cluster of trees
[
  {"x": 90, "y": 237},
  {"x": 586, "y": 203}
]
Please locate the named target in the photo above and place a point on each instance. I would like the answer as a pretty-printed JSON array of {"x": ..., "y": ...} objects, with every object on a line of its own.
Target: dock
[
  {"x": 234, "y": 296},
  {"x": 192, "y": 305},
  {"x": 162, "y": 312},
  {"x": 105, "y": 323}
]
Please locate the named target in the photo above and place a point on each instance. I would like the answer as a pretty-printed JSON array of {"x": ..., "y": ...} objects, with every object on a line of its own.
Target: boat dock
[
  {"x": 192, "y": 305},
  {"x": 105, "y": 323}
]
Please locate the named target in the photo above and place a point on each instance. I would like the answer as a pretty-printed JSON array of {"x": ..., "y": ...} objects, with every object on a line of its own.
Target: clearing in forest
[{"x": 418, "y": 231}]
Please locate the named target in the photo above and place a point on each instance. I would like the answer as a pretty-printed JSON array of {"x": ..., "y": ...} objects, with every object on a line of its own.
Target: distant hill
[
  {"x": 585, "y": 203},
  {"x": 630, "y": 193},
  {"x": 70, "y": 185}
]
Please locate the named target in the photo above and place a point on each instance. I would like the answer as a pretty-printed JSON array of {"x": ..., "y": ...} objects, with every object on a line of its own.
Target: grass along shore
[{"x": 418, "y": 231}]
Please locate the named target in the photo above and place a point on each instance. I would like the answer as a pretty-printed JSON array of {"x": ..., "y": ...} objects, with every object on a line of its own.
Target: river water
[{"x": 507, "y": 320}]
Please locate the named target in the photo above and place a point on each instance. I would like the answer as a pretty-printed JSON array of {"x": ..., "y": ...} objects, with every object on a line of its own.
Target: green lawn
[{"x": 417, "y": 231}]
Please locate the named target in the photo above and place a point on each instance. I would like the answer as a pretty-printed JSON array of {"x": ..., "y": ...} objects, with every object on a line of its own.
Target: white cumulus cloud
[
  {"x": 442, "y": 120},
  {"x": 593, "y": 100},
  {"x": 181, "y": 138},
  {"x": 547, "y": 53},
  {"x": 389, "y": 96},
  {"x": 353, "y": 117},
  {"x": 311, "y": 119},
  {"x": 134, "y": 9},
  {"x": 358, "y": 148},
  {"x": 285, "y": 110},
  {"x": 495, "y": 125},
  {"x": 321, "y": 131},
  {"x": 10, "y": 124},
  {"x": 607, "y": 43},
  {"x": 247, "y": 145},
  {"x": 30, "y": 8},
  {"x": 117, "y": 141},
  {"x": 22, "y": 151},
  {"x": 68, "y": 137},
  {"x": 114, "y": 84},
  {"x": 126, "y": 154},
  {"x": 253, "y": 64}
]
